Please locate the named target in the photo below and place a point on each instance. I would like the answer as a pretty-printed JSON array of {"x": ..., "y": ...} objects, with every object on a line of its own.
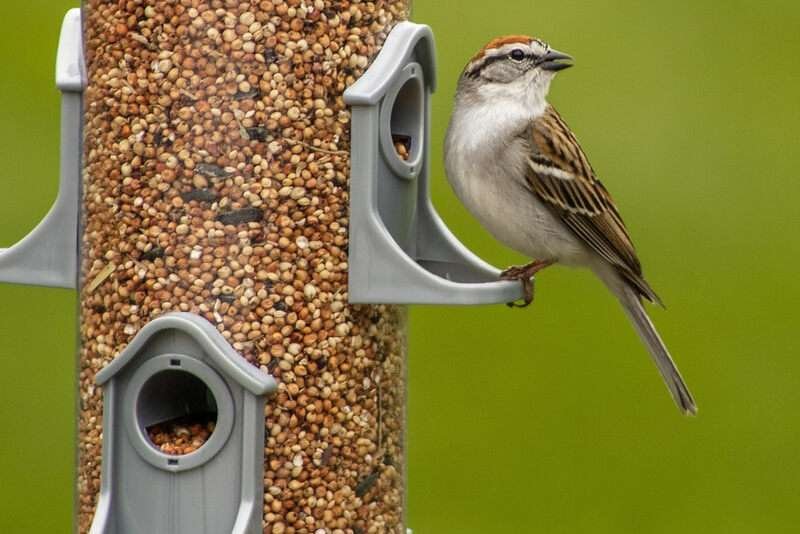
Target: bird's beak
[{"x": 552, "y": 61}]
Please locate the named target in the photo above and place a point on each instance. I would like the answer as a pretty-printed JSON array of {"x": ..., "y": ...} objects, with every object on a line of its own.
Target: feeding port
[
  {"x": 181, "y": 407},
  {"x": 403, "y": 125},
  {"x": 177, "y": 411},
  {"x": 183, "y": 411},
  {"x": 401, "y": 252}
]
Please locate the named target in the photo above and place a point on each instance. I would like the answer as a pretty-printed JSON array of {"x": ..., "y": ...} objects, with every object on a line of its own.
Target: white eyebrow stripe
[
  {"x": 555, "y": 172},
  {"x": 490, "y": 55}
]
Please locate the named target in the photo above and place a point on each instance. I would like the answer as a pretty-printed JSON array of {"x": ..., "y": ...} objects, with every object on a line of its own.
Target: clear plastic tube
[{"x": 216, "y": 164}]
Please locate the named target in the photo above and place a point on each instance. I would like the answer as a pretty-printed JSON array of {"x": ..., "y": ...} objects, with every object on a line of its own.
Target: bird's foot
[
  {"x": 524, "y": 273},
  {"x": 527, "y": 294}
]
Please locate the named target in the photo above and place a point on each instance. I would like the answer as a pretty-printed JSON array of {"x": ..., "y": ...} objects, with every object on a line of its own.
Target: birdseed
[
  {"x": 216, "y": 174},
  {"x": 402, "y": 145},
  {"x": 181, "y": 436}
]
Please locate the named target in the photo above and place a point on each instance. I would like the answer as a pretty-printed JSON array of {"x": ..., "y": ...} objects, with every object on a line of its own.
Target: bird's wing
[{"x": 560, "y": 175}]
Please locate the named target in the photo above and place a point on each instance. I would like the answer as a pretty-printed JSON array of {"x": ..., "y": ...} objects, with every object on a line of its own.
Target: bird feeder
[{"x": 243, "y": 207}]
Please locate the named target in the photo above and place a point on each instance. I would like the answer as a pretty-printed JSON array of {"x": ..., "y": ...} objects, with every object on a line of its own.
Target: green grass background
[{"x": 550, "y": 419}]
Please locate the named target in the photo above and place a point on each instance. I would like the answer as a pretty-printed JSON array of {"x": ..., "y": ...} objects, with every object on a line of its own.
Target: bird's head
[{"x": 514, "y": 66}]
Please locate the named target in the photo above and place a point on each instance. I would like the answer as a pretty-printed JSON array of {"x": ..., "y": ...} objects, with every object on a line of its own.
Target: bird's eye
[{"x": 517, "y": 54}]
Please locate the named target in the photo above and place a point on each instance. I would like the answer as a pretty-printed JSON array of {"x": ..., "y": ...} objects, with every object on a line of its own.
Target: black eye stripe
[{"x": 476, "y": 70}]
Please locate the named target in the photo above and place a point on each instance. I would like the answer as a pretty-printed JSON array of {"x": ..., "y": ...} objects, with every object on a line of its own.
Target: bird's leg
[{"x": 524, "y": 273}]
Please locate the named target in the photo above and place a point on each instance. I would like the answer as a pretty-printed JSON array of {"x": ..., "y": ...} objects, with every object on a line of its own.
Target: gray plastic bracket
[
  {"x": 48, "y": 256},
  {"x": 401, "y": 252},
  {"x": 179, "y": 365}
]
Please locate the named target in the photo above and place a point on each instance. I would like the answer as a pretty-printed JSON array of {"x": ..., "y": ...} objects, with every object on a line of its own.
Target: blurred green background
[{"x": 550, "y": 419}]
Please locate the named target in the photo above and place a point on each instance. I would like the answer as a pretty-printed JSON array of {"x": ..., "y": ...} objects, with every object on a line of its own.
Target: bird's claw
[
  {"x": 527, "y": 291},
  {"x": 524, "y": 273}
]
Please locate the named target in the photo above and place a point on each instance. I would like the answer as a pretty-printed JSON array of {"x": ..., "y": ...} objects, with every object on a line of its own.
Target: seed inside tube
[{"x": 184, "y": 212}]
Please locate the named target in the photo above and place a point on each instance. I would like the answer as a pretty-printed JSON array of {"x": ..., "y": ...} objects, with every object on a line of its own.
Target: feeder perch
[
  {"x": 178, "y": 366},
  {"x": 401, "y": 252}
]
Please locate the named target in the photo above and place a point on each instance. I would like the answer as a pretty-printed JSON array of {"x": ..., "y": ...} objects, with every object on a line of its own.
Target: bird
[{"x": 517, "y": 167}]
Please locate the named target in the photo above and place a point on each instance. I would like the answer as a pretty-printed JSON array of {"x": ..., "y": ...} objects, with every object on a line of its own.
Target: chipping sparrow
[{"x": 519, "y": 170}]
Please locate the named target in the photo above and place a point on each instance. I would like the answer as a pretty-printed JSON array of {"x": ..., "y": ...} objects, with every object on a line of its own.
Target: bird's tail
[{"x": 632, "y": 304}]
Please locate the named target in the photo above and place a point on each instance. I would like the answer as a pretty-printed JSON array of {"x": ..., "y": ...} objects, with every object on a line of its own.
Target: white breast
[{"x": 486, "y": 159}]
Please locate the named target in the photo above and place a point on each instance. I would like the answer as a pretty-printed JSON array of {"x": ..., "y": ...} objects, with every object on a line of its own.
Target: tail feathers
[
  {"x": 632, "y": 304},
  {"x": 644, "y": 289}
]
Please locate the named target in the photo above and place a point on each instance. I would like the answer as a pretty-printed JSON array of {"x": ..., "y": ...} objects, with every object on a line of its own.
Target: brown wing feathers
[{"x": 560, "y": 174}]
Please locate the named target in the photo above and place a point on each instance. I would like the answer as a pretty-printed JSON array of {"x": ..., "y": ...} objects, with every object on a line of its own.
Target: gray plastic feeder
[
  {"x": 179, "y": 365},
  {"x": 48, "y": 256},
  {"x": 401, "y": 251}
]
